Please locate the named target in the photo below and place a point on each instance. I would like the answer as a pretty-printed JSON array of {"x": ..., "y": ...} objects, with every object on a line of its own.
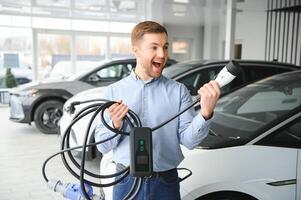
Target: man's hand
[
  {"x": 117, "y": 112},
  {"x": 209, "y": 93}
]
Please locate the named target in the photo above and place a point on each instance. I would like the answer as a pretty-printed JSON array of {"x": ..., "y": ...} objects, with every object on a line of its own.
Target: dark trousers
[{"x": 163, "y": 186}]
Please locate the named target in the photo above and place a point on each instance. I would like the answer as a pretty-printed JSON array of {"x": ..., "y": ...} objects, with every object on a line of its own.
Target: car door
[
  {"x": 193, "y": 80},
  {"x": 284, "y": 145}
]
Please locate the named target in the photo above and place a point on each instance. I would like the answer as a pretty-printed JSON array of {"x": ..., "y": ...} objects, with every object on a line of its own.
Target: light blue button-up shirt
[{"x": 155, "y": 102}]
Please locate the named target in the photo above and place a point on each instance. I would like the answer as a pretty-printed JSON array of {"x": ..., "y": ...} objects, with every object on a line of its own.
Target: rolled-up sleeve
[
  {"x": 193, "y": 128},
  {"x": 102, "y": 133}
]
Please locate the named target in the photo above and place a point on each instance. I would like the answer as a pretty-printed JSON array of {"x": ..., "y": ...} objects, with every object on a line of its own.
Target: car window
[
  {"x": 21, "y": 80},
  {"x": 196, "y": 79},
  {"x": 288, "y": 136},
  {"x": 110, "y": 74},
  {"x": 259, "y": 72}
]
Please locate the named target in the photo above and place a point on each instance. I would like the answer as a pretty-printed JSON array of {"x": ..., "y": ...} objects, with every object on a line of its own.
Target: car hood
[
  {"x": 73, "y": 87},
  {"x": 91, "y": 94}
]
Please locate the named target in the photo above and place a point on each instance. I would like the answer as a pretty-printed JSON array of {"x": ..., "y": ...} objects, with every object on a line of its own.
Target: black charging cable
[
  {"x": 225, "y": 76},
  {"x": 133, "y": 121}
]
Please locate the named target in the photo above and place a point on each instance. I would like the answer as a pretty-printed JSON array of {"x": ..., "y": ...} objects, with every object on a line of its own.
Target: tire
[
  {"x": 227, "y": 196},
  {"x": 47, "y": 116},
  {"x": 91, "y": 154},
  {"x": 92, "y": 151}
]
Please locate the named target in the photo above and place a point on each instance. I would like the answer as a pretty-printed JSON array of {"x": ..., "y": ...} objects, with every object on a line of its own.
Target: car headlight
[{"x": 30, "y": 93}]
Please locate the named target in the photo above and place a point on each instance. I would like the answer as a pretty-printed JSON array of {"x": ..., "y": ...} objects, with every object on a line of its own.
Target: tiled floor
[{"x": 23, "y": 149}]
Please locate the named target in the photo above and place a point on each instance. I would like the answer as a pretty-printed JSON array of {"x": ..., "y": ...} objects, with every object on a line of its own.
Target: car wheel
[
  {"x": 47, "y": 116},
  {"x": 92, "y": 150},
  {"x": 227, "y": 196}
]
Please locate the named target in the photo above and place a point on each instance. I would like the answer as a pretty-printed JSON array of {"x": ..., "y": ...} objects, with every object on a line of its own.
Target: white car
[
  {"x": 253, "y": 150},
  {"x": 63, "y": 69}
]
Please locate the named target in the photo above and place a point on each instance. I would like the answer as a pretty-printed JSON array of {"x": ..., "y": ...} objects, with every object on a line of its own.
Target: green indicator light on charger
[{"x": 141, "y": 142}]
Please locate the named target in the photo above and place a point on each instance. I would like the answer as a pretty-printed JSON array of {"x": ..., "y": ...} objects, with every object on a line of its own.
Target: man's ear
[{"x": 134, "y": 49}]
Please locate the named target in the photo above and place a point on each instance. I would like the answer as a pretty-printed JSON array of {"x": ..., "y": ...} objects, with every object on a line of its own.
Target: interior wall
[
  {"x": 251, "y": 27},
  {"x": 192, "y": 33}
]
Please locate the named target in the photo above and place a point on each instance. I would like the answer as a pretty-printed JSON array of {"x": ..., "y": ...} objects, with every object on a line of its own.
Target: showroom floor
[{"x": 23, "y": 150}]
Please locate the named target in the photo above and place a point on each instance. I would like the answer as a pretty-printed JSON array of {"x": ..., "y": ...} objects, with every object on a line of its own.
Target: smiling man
[{"x": 155, "y": 98}]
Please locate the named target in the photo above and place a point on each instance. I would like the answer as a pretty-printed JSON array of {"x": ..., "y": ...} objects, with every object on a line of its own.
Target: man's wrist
[
  {"x": 117, "y": 127},
  {"x": 207, "y": 116}
]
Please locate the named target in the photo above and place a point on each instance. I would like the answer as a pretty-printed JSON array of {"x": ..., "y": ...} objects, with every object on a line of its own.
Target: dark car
[
  {"x": 43, "y": 102},
  {"x": 193, "y": 74}
]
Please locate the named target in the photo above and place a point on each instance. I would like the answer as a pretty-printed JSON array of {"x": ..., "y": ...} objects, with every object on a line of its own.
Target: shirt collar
[{"x": 136, "y": 77}]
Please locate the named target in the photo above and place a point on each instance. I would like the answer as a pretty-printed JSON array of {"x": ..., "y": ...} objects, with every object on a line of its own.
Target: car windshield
[{"x": 239, "y": 116}]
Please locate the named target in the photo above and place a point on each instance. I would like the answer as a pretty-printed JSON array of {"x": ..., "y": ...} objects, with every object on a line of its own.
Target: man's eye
[
  {"x": 166, "y": 48},
  {"x": 154, "y": 48}
]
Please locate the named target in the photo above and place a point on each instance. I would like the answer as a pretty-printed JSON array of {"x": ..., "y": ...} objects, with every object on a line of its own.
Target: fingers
[
  {"x": 209, "y": 93},
  {"x": 211, "y": 90},
  {"x": 117, "y": 112}
]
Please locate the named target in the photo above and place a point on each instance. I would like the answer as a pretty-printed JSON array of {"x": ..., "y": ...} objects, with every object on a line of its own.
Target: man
[{"x": 155, "y": 99}]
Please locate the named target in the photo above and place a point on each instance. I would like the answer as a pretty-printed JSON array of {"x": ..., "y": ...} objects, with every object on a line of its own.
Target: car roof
[
  {"x": 185, "y": 66},
  {"x": 109, "y": 62},
  {"x": 169, "y": 62}
]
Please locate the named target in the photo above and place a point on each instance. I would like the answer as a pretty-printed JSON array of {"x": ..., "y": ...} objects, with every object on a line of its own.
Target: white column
[
  {"x": 34, "y": 54},
  {"x": 212, "y": 30},
  {"x": 230, "y": 29},
  {"x": 73, "y": 54}
]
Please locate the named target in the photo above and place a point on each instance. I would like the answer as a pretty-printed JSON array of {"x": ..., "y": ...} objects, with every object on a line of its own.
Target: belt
[
  {"x": 153, "y": 174},
  {"x": 161, "y": 174}
]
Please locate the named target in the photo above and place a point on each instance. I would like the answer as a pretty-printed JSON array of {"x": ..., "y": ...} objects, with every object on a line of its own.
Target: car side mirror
[{"x": 94, "y": 78}]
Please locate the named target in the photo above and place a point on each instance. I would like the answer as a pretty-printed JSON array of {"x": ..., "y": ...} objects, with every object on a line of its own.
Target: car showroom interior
[{"x": 150, "y": 99}]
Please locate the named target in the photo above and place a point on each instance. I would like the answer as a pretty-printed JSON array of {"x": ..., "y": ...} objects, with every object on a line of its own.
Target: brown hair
[{"x": 146, "y": 27}]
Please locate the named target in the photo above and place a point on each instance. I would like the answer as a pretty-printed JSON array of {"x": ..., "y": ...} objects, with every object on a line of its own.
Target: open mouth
[{"x": 157, "y": 64}]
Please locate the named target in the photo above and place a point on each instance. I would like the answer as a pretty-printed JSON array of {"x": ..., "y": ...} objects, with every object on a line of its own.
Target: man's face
[{"x": 151, "y": 52}]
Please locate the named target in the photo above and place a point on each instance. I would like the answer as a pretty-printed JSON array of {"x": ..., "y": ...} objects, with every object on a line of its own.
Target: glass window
[
  {"x": 92, "y": 5},
  {"x": 52, "y": 3},
  {"x": 191, "y": 82},
  {"x": 110, "y": 74},
  {"x": 121, "y": 27},
  {"x": 278, "y": 101},
  {"x": 120, "y": 47},
  {"x": 16, "y": 51},
  {"x": 289, "y": 136},
  {"x": 51, "y": 23},
  {"x": 196, "y": 79},
  {"x": 89, "y": 25},
  {"x": 90, "y": 47},
  {"x": 52, "y": 48},
  {"x": 259, "y": 72}
]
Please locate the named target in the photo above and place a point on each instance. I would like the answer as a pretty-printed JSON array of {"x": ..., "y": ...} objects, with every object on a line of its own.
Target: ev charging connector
[{"x": 141, "y": 151}]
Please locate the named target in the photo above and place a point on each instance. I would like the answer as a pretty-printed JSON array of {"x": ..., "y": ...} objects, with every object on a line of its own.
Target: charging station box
[{"x": 141, "y": 152}]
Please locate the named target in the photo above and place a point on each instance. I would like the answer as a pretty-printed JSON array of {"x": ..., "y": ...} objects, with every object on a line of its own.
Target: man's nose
[{"x": 161, "y": 52}]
